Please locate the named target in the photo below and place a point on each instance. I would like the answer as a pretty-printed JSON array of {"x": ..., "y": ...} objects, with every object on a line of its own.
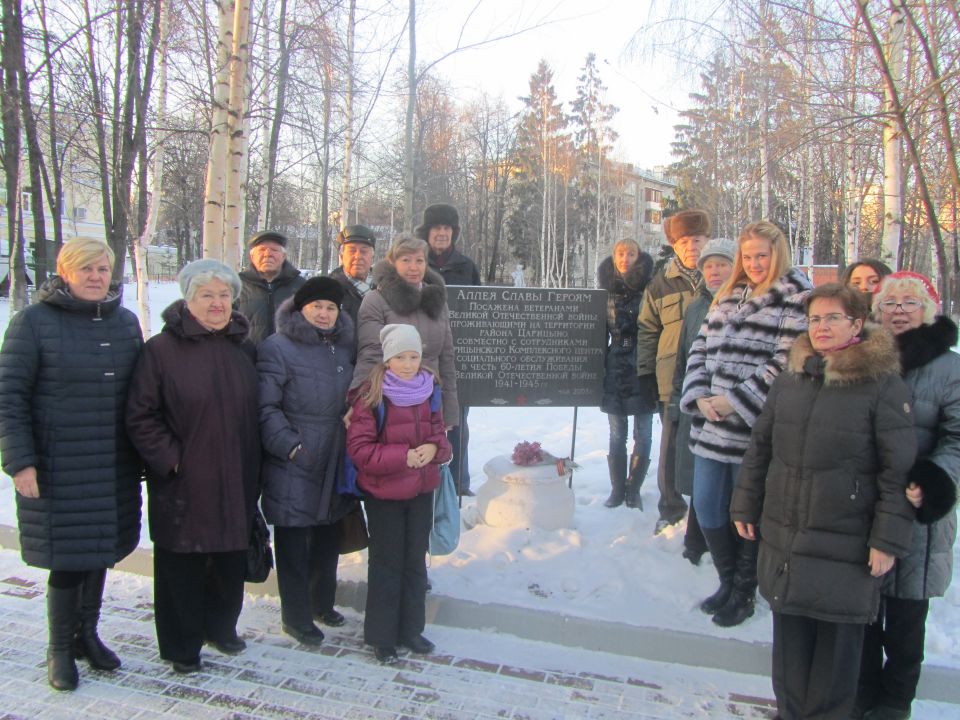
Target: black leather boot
[
  {"x": 638, "y": 471},
  {"x": 740, "y": 605},
  {"x": 723, "y": 549},
  {"x": 63, "y": 607},
  {"x": 618, "y": 478},
  {"x": 88, "y": 644}
]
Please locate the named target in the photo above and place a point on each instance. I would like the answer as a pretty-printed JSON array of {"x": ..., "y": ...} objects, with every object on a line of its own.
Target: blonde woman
[
  {"x": 65, "y": 367},
  {"x": 754, "y": 319}
]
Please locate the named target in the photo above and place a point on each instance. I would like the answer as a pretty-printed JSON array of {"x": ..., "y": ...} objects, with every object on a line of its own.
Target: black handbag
[
  {"x": 259, "y": 554},
  {"x": 352, "y": 531}
]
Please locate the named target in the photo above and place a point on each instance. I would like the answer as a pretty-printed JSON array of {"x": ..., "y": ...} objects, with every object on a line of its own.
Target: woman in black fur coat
[{"x": 624, "y": 275}]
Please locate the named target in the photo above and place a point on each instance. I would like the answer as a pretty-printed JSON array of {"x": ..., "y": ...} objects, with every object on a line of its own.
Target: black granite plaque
[{"x": 528, "y": 346}]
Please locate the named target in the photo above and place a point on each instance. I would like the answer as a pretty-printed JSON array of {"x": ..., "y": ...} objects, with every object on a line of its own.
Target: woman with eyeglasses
[
  {"x": 822, "y": 486},
  {"x": 755, "y": 317},
  {"x": 907, "y": 306}
]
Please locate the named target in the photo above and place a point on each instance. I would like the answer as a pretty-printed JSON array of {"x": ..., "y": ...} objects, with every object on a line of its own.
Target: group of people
[
  {"x": 249, "y": 397},
  {"x": 817, "y": 433}
]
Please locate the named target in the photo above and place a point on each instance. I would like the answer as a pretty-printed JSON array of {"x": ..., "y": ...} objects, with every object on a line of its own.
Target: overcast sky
[{"x": 647, "y": 94}]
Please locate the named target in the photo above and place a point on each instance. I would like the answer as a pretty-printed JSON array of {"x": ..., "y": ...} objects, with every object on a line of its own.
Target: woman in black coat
[
  {"x": 624, "y": 275},
  {"x": 192, "y": 414},
  {"x": 65, "y": 367},
  {"x": 305, "y": 370},
  {"x": 824, "y": 479}
]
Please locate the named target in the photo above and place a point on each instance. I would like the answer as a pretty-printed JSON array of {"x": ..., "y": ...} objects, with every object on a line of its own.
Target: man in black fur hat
[{"x": 441, "y": 228}]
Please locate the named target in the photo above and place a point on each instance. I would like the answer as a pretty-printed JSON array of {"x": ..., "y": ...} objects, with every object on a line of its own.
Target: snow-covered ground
[{"x": 608, "y": 566}]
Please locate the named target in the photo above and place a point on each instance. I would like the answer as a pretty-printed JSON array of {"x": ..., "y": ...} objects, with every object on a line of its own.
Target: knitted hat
[
  {"x": 686, "y": 223},
  {"x": 439, "y": 214},
  {"x": 267, "y": 236},
  {"x": 396, "y": 339},
  {"x": 318, "y": 288},
  {"x": 208, "y": 269},
  {"x": 718, "y": 247},
  {"x": 356, "y": 234},
  {"x": 923, "y": 279}
]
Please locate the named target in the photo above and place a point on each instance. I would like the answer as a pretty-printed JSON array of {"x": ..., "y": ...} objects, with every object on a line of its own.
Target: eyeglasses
[
  {"x": 908, "y": 306},
  {"x": 830, "y": 319}
]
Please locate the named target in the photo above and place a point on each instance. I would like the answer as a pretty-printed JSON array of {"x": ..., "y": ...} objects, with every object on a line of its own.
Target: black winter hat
[
  {"x": 318, "y": 288},
  {"x": 267, "y": 236},
  {"x": 439, "y": 214},
  {"x": 356, "y": 234}
]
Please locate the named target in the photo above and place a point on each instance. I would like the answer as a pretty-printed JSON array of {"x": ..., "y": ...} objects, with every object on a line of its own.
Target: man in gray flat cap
[{"x": 268, "y": 281}]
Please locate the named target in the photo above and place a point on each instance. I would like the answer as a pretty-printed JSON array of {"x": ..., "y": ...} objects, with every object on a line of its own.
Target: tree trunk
[
  {"x": 892, "y": 162},
  {"x": 214, "y": 200},
  {"x": 348, "y": 117},
  {"x": 283, "y": 72},
  {"x": 235, "y": 191},
  {"x": 10, "y": 104},
  {"x": 55, "y": 197},
  {"x": 409, "y": 178}
]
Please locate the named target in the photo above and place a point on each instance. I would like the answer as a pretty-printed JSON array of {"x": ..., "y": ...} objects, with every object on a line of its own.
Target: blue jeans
[
  {"x": 642, "y": 434},
  {"x": 712, "y": 487}
]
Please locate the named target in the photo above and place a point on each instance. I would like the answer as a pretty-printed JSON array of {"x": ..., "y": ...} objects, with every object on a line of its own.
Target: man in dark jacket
[
  {"x": 356, "y": 243},
  {"x": 658, "y": 334},
  {"x": 268, "y": 281},
  {"x": 441, "y": 228}
]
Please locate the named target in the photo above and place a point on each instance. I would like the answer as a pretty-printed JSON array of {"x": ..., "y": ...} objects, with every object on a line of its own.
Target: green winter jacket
[{"x": 665, "y": 302}]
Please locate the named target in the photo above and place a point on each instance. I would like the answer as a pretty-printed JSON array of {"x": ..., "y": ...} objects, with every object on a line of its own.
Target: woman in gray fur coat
[
  {"x": 305, "y": 369},
  {"x": 754, "y": 319},
  {"x": 906, "y": 303},
  {"x": 408, "y": 292}
]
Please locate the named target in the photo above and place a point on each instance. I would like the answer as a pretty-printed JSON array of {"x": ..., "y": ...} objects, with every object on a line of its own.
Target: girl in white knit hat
[{"x": 397, "y": 442}]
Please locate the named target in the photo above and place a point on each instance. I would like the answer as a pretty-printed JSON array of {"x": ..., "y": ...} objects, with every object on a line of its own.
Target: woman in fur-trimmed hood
[
  {"x": 907, "y": 305},
  {"x": 824, "y": 478},
  {"x": 409, "y": 293}
]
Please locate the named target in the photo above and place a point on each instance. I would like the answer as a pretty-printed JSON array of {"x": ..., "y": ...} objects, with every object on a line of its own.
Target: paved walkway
[{"x": 276, "y": 678}]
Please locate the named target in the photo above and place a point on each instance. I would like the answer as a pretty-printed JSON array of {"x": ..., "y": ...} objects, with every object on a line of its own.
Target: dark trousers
[
  {"x": 672, "y": 506},
  {"x": 900, "y": 632},
  {"x": 65, "y": 579},
  {"x": 196, "y": 596},
  {"x": 815, "y": 666},
  {"x": 460, "y": 437},
  {"x": 307, "y": 560},
  {"x": 397, "y": 569}
]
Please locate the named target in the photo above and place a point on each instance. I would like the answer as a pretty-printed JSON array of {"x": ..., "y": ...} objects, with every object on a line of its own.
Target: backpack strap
[
  {"x": 380, "y": 413},
  {"x": 436, "y": 399}
]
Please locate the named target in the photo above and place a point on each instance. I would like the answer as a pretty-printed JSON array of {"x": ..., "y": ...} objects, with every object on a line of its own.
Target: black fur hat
[{"x": 439, "y": 214}]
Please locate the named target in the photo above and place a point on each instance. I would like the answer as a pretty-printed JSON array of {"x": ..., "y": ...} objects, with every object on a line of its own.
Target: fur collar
[
  {"x": 404, "y": 298},
  {"x": 292, "y": 324},
  {"x": 633, "y": 283},
  {"x": 925, "y": 343},
  {"x": 787, "y": 287},
  {"x": 870, "y": 359}
]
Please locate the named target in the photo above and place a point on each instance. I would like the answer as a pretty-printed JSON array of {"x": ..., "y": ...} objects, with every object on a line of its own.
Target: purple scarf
[{"x": 407, "y": 393}]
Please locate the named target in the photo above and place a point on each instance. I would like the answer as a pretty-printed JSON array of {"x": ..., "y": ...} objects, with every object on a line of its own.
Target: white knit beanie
[{"x": 396, "y": 339}]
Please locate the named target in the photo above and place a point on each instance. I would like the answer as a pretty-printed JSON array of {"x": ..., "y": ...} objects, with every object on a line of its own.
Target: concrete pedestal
[{"x": 525, "y": 496}]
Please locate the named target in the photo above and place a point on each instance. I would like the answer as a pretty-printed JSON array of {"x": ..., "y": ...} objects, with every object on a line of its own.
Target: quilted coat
[
  {"x": 381, "y": 457},
  {"x": 304, "y": 376},
  {"x": 192, "y": 414},
  {"x": 65, "y": 369},
  {"x": 742, "y": 349},
  {"x": 825, "y": 476},
  {"x": 932, "y": 372},
  {"x": 396, "y": 301}
]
